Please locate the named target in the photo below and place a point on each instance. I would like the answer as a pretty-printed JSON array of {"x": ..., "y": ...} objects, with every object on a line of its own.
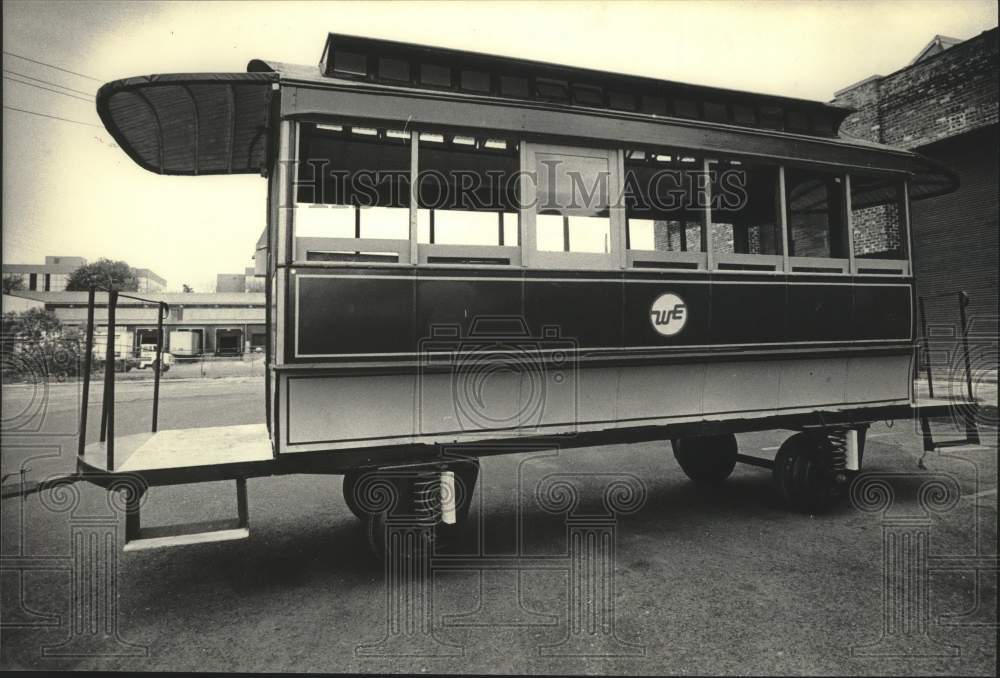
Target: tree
[
  {"x": 187, "y": 288},
  {"x": 33, "y": 324},
  {"x": 12, "y": 283},
  {"x": 103, "y": 274},
  {"x": 36, "y": 347}
]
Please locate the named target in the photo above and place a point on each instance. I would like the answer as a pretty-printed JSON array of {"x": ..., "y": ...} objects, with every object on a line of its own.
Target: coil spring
[
  {"x": 427, "y": 498},
  {"x": 837, "y": 455}
]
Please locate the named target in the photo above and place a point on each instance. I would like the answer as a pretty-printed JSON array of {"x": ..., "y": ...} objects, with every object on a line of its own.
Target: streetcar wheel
[
  {"x": 350, "y": 497},
  {"x": 409, "y": 528},
  {"x": 410, "y": 543},
  {"x": 806, "y": 474},
  {"x": 707, "y": 459}
]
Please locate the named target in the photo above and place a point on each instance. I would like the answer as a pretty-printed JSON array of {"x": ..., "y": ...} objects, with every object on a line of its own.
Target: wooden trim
[
  {"x": 527, "y": 198},
  {"x": 285, "y": 158},
  {"x": 414, "y": 194},
  {"x": 783, "y": 217},
  {"x": 849, "y": 225},
  {"x": 619, "y": 224},
  {"x": 425, "y": 251},
  {"x": 697, "y": 258},
  {"x": 401, "y": 248},
  {"x": 908, "y": 257},
  {"x": 709, "y": 244}
]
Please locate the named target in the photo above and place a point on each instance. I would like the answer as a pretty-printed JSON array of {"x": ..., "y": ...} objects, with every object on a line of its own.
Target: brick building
[{"x": 943, "y": 105}]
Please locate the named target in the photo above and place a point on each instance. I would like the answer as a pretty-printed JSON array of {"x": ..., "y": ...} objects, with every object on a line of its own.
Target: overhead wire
[
  {"x": 48, "y": 82},
  {"x": 54, "y": 117},
  {"x": 47, "y": 89},
  {"x": 72, "y": 93},
  {"x": 58, "y": 68}
]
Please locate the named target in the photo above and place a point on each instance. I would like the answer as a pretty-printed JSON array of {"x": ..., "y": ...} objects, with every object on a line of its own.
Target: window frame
[
  {"x": 808, "y": 265},
  {"x": 524, "y": 253},
  {"x": 531, "y": 256},
  {"x": 902, "y": 266}
]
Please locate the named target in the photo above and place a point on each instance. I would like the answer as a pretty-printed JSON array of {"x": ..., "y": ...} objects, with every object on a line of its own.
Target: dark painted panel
[
  {"x": 356, "y": 313},
  {"x": 746, "y": 313},
  {"x": 639, "y": 298},
  {"x": 588, "y": 313},
  {"x": 461, "y": 302},
  {"x": 363, "y": 315},
  {"x": 882, "y": 312},
  {"x": 819, "y": 313}
]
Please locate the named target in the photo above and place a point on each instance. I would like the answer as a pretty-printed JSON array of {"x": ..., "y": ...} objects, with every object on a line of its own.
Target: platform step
[
  {"x": 188, "y": 533},
  {"x": 138, "y": 538}
]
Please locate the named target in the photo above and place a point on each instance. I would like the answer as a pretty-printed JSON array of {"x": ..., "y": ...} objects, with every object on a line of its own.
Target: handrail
[
  {"x": 963, "y": 302},
  {"x": 108, "y": 404}
]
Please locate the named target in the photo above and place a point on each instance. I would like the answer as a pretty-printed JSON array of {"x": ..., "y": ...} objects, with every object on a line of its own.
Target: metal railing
[
  {"x": 963, "y": 302},
  {"x": 108, "y": 404}
]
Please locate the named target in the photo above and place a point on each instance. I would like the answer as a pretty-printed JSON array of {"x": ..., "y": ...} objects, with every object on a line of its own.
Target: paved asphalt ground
[{"x": 706, "y": 581}]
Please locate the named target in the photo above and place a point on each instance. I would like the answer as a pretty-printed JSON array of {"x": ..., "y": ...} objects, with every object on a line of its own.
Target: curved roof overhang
[{"x": 191, "y": 124}]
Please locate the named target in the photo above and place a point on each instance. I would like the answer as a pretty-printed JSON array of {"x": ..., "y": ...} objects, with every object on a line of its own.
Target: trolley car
[{"x": 464, "y": 250}]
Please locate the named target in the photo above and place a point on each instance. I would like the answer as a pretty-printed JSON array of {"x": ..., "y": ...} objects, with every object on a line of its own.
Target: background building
[
  {"x": 50, "y": 276},
  {"x": 53, "y": 275},
  {"x": 944, "y": 105},
  {"x": 198, "y": 323},
  {"x": 149, "y": 281},
  {"x": 239, "y": 282}
]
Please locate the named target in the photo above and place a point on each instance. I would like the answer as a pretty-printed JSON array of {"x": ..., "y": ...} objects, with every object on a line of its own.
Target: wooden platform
[{"x": 184, "y": 448}]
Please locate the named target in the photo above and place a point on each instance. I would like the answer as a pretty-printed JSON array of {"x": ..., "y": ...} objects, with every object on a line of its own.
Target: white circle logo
[{"x": 668, "y": 314}]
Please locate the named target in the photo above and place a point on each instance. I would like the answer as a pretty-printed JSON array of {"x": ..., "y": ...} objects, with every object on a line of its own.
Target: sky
[{"x": 68, "y": 190}]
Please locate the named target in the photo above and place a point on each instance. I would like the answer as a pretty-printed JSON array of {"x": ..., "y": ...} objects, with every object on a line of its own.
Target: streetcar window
[
  {"x": 353, "y": 182},
  {"x": 467, "y": 190},
  {"x": 663, "y": 198},
  {"x": 815, "y": 214},
  {"x": 573, "y": 201},
  {"x": 877, "y": 214},
  {"x": 745, "y": 208}
]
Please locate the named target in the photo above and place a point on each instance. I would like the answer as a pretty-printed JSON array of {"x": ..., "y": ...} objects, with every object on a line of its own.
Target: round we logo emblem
[{"x": 668, "y": 314}]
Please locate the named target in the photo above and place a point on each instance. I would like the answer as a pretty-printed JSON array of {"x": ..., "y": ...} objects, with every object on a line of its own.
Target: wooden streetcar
[{"x": 433, "y": 282}]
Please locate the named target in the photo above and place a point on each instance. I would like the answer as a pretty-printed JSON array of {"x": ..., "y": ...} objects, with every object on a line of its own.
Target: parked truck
[{"x": 185, "y": 343}]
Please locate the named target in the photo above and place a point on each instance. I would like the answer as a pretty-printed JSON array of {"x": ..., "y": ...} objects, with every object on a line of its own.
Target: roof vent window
[
  {"x": 512, "y": 86},
  {"x": 435, "y": 76},
  {"x": 350, "y": 63},
  {"x": 475, "y": 81},
  {"x": 393, "y": 69},
  {"x": 554, "y": 90},
  {"x": 621, "y": 101}
]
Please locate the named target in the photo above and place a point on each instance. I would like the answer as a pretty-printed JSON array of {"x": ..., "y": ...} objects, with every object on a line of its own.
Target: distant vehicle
[
  {"x": 185, "y": 344},
  {"x": 147, "y": 358},
  {"x": 121, "y": 364}
]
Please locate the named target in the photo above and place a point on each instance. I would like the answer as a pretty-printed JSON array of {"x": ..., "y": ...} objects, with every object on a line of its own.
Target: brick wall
[
  {"x": 956, "y": 236},
  {"x": 945, "y": 107},
  {"x": 876, "y": 229},
  {"x": 667, "y": 236},
  {"x": 945, "y": 95}
]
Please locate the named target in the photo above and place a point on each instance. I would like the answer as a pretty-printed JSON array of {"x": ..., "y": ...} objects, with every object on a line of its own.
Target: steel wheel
[
  {"x": 809, "y": 471},
  {"x": 408, "y": 529},
  {"x": 707, "y": 459},
  {"x": 350, "y": 489}
]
